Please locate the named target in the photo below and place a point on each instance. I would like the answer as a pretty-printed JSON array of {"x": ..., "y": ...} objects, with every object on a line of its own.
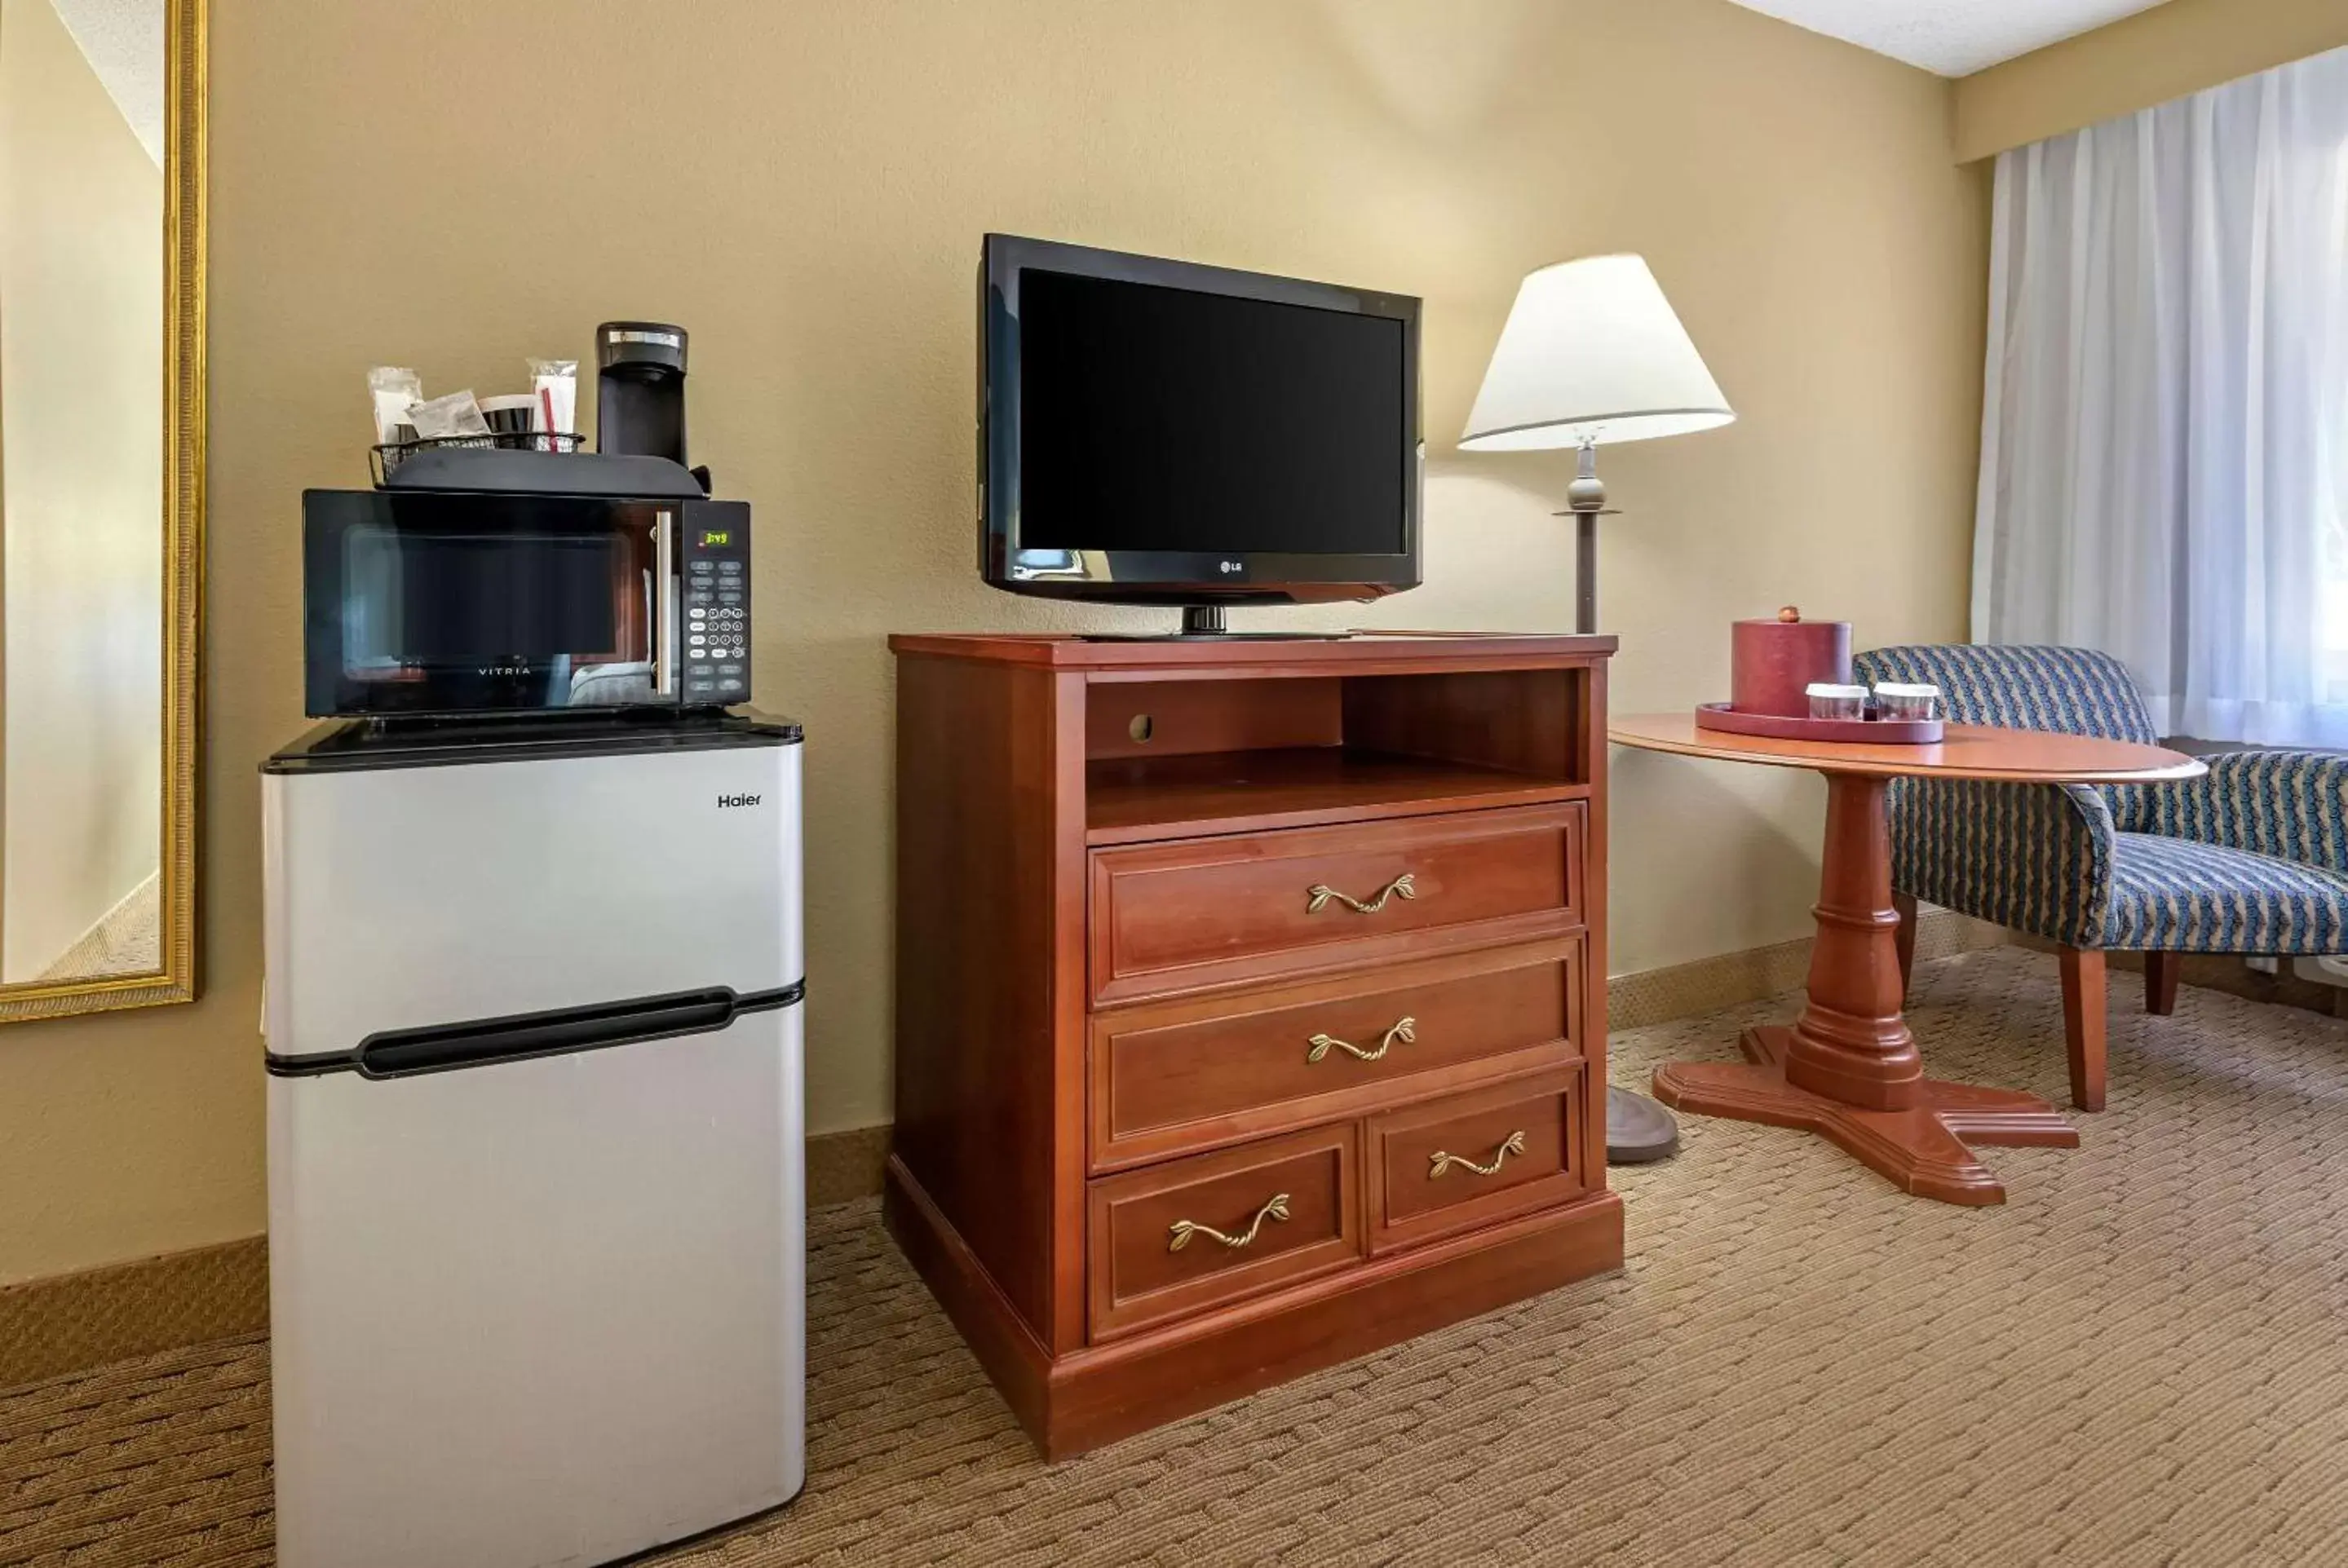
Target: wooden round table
[{"x": 1849, "y": 1068}]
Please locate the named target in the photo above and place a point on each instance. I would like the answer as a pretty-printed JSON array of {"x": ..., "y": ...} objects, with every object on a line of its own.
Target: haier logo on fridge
[{"x": 726, "y": 800}]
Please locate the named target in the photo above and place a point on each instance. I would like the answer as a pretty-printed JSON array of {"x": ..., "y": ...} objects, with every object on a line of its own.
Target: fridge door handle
[
  {"x": 484, "y": 1042},
  {"x": 400, "y": 1053}
]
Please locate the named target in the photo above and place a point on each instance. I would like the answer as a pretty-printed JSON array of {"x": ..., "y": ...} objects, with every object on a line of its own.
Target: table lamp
[{"x": 1593, "y": 352}]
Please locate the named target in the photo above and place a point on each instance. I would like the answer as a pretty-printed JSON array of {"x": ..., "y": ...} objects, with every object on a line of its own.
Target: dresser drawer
[
  {"x": 1198, "y": 1233},
  {"x": 1177, "y": 917},
  {"x": 1170, "y": 1078},
  {"x": 1475, "y": 1158}
]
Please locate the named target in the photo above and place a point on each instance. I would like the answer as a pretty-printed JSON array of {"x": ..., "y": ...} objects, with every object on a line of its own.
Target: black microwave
[{"x": 450, "y": 602}]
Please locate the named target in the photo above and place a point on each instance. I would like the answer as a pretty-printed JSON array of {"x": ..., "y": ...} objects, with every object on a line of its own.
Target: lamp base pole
[
  {"x": 1638, "y": 1129},
  {"x": 1585, "y": 572},
  {"x": 1587, "y": 496}
]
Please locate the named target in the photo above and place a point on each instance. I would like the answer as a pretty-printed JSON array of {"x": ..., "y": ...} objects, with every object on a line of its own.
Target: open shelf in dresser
[{"x": 1178, "y": 758}]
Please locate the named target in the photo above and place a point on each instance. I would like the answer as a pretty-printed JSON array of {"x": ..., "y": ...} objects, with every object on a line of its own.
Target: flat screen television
[{"x": 1156, "y": 432}]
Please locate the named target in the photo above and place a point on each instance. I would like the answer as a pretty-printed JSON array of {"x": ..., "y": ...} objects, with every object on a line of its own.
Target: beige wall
[
  {"x": 456, "y": 186},
  {"x": 81, "y": 491},
  {"x": 2165, "y": 53}
]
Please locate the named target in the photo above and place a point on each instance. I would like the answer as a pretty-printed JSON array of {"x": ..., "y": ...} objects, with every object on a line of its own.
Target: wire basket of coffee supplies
[
  {"x": 387, "y": 455},
  {"x": 407, "y": 423}
]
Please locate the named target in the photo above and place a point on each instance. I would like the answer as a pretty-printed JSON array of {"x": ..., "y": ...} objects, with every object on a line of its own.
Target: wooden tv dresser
[{"x": 1250, "y": 1003}]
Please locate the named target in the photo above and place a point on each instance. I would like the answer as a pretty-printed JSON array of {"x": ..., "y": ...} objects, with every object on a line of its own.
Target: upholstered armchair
[{"x": 2252, "y": 858}]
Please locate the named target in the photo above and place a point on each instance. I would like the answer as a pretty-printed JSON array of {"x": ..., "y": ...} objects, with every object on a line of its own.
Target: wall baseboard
[
  {"x": 844, "y": 1166},
  {"x": 69, "y": 1322},
  {"x": 2229, "y": 973},
  {"x": 1729, "y": 979}
]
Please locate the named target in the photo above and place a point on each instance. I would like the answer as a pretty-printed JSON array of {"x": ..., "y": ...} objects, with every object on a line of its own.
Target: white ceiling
[
  {"x": 1951, "y": 38},
  {"x": 123, "y": 41}
]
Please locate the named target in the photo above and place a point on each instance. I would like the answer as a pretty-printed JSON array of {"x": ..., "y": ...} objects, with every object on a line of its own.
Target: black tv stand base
[{"x": 1206, "y": 623}]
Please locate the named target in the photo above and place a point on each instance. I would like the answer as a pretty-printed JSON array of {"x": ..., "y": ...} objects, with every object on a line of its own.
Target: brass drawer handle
[
  {"x": 1320, "y": 893},
  {"x": 1405, "y": 1030},
  {"x": 1183, "y": 1230},
  {"x": 1439, "y": 1162}
]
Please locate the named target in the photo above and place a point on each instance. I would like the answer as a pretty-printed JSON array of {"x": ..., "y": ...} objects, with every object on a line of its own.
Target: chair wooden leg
[
  {"x": 2082, "y": 1024},
  {"x": 1906, "y": 905},
  {"x": 2160, "y": 982}
]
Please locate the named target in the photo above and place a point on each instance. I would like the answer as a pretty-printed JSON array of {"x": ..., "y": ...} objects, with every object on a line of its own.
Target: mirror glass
[{"x": 84, "y": 373}]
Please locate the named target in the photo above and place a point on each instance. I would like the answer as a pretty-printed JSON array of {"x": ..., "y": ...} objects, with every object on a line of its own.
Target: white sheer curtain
[{"x": 2165, "y": 425}]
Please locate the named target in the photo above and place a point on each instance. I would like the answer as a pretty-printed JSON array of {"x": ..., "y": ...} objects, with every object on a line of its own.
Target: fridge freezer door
[
  {"x": 539, "y": 1312},
  {"x": 401, "y": 898}
]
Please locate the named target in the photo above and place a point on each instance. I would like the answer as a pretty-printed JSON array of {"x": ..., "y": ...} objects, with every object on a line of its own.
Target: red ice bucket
[{"x": 1772, "y": 662}]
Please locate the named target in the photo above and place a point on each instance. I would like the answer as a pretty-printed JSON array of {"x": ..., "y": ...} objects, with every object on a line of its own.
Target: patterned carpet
[{"x": 2140, "y": 1360}]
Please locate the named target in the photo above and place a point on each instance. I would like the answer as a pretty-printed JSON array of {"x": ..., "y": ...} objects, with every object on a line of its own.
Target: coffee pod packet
[
  {"x": 554, "y": 383},
  {"x": 393, "y": 388},
  {"x": 455, "y": 415}
]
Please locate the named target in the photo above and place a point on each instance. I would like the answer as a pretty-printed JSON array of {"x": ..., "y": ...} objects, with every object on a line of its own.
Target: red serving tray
[{"x": 1864, "y": 731}]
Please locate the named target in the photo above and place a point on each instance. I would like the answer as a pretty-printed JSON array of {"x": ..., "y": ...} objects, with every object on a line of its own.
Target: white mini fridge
[{"x": 536, "y": 1189}]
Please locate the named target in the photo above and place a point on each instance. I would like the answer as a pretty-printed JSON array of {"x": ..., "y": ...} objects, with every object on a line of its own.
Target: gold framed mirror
[{"x": 101, "y": 500}]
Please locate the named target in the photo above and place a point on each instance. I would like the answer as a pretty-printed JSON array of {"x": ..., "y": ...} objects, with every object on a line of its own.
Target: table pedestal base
[{"x": 1923, "y": 1150}]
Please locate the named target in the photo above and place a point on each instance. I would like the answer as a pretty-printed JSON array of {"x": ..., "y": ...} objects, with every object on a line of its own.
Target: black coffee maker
[{"x": 640, "y": 392}]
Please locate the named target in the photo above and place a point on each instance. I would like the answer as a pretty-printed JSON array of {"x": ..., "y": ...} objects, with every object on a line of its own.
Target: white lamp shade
[{"x": 1593, "y": 351}]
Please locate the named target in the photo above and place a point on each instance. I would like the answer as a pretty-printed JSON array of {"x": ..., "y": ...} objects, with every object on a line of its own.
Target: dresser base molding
[
  {"x": 1098, "y": 1395},
  {"x": 1005, "y": 1346}
]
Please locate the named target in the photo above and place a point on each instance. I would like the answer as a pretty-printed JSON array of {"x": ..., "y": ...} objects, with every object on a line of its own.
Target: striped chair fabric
[{"x": 2251, "y": 859}]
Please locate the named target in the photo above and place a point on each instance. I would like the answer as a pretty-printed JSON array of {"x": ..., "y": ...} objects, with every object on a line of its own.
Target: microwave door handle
[{"x": 664, "y": 605}]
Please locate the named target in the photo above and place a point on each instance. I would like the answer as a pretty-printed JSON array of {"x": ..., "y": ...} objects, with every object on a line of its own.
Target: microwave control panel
[{"x": 716, "y": 653}]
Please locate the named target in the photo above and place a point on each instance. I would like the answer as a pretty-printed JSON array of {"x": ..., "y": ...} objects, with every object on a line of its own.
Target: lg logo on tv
[
  {"x": 1230, "y": 565},
  {"x": 726, "y": 800}
]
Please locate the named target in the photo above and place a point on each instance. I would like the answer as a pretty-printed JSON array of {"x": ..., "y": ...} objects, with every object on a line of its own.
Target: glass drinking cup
[
  {"x": 1829, "y": 701},
  {"x": 1894, "y": 700}
]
